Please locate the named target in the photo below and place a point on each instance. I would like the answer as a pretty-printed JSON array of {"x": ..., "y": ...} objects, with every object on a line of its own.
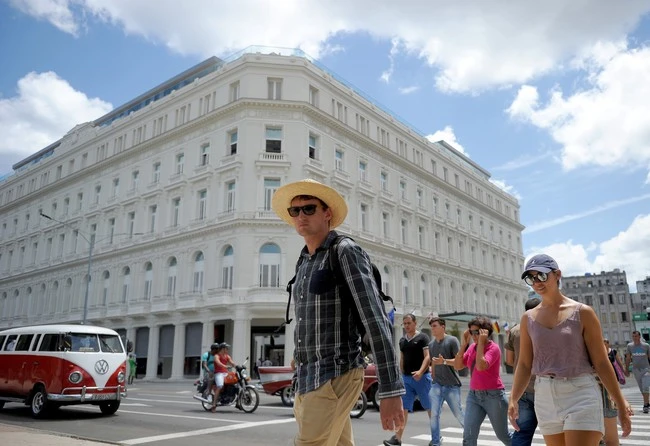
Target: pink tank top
[{"x": 559, "y": 351}]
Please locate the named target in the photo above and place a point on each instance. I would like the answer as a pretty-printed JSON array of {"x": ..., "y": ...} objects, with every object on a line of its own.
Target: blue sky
[{"x": 551, "y": 98}]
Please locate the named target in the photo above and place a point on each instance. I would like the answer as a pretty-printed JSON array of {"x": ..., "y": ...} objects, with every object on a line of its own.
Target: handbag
[{"x": 619, "y": 373}]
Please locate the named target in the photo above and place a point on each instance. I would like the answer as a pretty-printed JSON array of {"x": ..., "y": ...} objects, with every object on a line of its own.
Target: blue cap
[{"x": 540, "y": 262}]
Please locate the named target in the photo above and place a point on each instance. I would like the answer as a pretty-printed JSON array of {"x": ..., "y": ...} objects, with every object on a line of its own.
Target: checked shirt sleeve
[{"x": 357, "y": 269}]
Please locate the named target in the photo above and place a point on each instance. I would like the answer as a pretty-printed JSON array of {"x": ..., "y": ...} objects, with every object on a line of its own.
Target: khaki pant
[{"x": 323, "y": 415}]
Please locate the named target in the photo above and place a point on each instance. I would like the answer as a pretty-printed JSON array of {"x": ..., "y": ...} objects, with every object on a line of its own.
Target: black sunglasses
[
  {"x": 308, "y": 209},
  {"x": 540, "y": 277}
]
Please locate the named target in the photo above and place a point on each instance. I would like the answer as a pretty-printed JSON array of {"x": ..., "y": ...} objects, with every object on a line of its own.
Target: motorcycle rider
[
  {"x": 207, "y": 365},
  {"x": 222, "y": 361}
]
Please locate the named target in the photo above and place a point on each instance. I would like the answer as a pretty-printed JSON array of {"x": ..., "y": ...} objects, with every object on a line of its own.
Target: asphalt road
[{"x": 164, "y": 413}]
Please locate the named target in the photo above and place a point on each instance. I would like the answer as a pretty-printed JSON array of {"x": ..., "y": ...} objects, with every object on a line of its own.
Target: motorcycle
[{"x": 236, "y": 391}]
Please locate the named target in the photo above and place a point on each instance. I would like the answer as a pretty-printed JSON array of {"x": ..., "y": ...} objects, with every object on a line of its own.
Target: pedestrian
[
  {"x": 414, "y": 364},
  {"x": 527, "y": 420},
  {"x": 329, "y": 361},
  {"x": 560, "y": 341},
  {"x": 132, "y": 368},
  {"x": 487, "y": 395},
  {"x": 445, "y": 386},
  {"x": 207, "y": 366},
  {"x": 222, "y": 361},
  {"x": 638, "y": 354},
  {"x": 610, "y": 411}
]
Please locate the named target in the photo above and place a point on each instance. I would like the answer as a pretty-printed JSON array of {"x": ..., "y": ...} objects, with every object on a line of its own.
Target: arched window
[
  {"x": 227, "y": 265},
  {"x": 171, "y": 277},
  {"x": 54, "y": 298},
  {"x": 405, "y": 287},
  {"x": 14, "y": 304},
  {"x": 423, "y": 290},
  {"x": 40, "y": 302},
  {"x": 148, "y": 280},
  {"x": 385, "y": 278},
  {"x": 441, "y": 295},
  {"x": 5, "y": 307},
  {"x": 270, "y": 265},
  {"x": 68, "y": 301},
  {"x": 27, "y": 303},
  {"x": 107, "y": 284},
  {"x": 126, "y": 283},
  {"x": 198, "y": 273}
]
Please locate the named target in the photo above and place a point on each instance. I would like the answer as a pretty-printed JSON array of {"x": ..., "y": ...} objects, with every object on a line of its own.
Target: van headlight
[
  {"x": 75, "y": 377},
  {"x": 120, "y": 377}
]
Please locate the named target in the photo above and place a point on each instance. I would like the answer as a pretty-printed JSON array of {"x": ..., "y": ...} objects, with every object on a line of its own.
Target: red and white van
[{"x": 49, "y": 366}]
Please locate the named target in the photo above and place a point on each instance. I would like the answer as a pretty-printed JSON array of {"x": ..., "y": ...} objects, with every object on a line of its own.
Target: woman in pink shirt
[{"x": 487, "y": 394}]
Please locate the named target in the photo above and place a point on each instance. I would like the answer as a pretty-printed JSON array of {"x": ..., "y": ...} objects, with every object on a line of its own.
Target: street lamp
[{"x": 91, "y": 244}]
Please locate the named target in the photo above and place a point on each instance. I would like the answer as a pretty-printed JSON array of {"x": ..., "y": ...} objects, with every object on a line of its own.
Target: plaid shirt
[{"x": 327, "y": 338}]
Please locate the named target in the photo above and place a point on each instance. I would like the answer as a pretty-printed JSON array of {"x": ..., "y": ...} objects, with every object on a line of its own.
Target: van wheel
[
  {"x": 38, "y": 404},
  {"x": 109, "y": 407}
]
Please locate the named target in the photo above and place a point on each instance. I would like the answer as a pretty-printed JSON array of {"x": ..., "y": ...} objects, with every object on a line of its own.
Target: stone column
[
  {"x": 178, "y": 360},
  {"x": 208, "y": 335},
  {"x": 130, "y": 336},
  {"x": 242, "y": 340},
  {"x": 152, "y": 352}
]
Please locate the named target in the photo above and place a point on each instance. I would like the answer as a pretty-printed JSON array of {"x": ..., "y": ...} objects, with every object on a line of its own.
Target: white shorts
[
  {"x": 566, "y": 404},
  {"x": 218, "y": 379}
]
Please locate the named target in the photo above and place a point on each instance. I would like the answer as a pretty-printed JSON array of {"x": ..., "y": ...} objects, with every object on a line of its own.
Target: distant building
[
  {"x": 173, "y": 193},
  {"x": 609, "y": 295}
]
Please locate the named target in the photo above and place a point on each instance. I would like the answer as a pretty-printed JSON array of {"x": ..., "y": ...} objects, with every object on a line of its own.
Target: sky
[{"x": 552, "y": 98}]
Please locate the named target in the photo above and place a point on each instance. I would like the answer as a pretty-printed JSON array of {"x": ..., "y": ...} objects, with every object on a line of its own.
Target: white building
[{"x": 173, "y": 192}]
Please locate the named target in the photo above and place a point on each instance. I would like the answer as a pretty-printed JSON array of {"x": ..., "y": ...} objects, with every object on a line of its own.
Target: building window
[
  {"x": 275, "y": 88},
  {"x": 270, "y": 256},
  {"x": 130, "y": 223},
  {"x": 420, "y": 197},
  {"x": 98, "y": 193},
  {"x": 312, "y": 146},
  {"x": 126, "y": 284},
  {"x": 148, "y": 281},
  {"x": 404, "y": 231},
  {"x": 385, "y": 221},
  {"x": 338, "y": 160},
  {"x": 80, "y": 201},
  {"x": 107, "y": 285},
  {"x": 230, "y": 196},
  {"x": 363, "y": 216},
  {"x": 155, "y": 177},
  {"x": 270, "y": 186},
  {"x": 313, "y": 96},
  {"x": 198, "y": 273},
  {"x": 204, "y": 155},
  {"x": 383, "y": 181},
  {"x": 180, "y": 162},
  {"x": 227, "y": 268},
  {"x": 176, "y": 211},
  {"x": 116, "y": 187},
  {"x": 171, "y": 277},
  {"x": 405, "y": 286},
  {"x": 202, "y": 197},
  {"x": 363, "y": 171},
  {"x": 111, "y": 230},
  {"x": 232, "y": 138},
  {"x": 234, "y": 91},
  {"x": 135, "y": 179},
  {"x": 153, "y": 211},
  {"x": 273, "y": 140},
  {"x": 421, "y": 237},
  {"x": 402, "y": 189}
]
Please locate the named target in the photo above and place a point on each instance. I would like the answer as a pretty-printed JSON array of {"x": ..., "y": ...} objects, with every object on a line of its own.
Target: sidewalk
[{"x": 22, "y": 436}]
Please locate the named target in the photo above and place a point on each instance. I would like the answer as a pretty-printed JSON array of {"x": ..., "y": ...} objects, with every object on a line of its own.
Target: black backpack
[{"x": 335, "y": 267}]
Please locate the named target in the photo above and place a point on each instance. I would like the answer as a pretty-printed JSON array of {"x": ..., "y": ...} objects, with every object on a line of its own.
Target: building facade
[
  {"x": 160, "y": 223},
  {"x": 609, "y": 295}
]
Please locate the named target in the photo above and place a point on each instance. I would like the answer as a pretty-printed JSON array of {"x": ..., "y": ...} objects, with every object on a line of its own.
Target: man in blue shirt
[{"x": 328, "y": 357}]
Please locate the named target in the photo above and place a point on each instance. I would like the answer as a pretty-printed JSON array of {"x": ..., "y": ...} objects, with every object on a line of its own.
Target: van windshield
[{"x": 86, "y": 342}]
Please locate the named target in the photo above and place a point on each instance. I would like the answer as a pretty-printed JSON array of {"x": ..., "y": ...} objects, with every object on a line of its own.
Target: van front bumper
[{"x": 88, "y": 395}]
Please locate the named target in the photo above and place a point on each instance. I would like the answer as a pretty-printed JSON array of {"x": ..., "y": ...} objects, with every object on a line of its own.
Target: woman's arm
[
  {"x": 458, "y": 360},
  {"x": 481, "y": 363},
  {"x": 592, "y": 334},
  {"x": 524, "y": 363}
]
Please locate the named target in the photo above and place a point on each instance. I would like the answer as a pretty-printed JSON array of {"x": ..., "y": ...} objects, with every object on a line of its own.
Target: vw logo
[{"x": 101, "y": 367}]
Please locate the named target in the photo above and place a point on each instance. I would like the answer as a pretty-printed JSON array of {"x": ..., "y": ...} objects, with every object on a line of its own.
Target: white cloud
[
  {"x": 606, "y": 124},
  {"x": 628, "y": 251},
  {"x": 43, "y": 110},
  {"x": 447, "y": 135},
  {"x": 408, "y": 90},
  {"x": 538, "y": 226},
  {"x": 472, "y": 45},
  {"x": 501, "y": 184}
]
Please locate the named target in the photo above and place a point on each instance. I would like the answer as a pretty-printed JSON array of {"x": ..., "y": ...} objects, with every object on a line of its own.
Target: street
[{"x": 164, "y": 413}]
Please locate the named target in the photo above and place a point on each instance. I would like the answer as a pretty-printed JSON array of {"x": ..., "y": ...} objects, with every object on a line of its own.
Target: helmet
[
  {"x": 215, "y": 346},
  {"x": 224, "y": 345}
]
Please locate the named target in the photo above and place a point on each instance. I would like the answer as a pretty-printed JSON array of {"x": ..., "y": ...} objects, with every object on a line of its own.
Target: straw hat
[{"x": 284, "y": 195}]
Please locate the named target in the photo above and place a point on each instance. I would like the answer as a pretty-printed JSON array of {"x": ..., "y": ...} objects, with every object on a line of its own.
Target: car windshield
[{"x": 87, "y": 342}]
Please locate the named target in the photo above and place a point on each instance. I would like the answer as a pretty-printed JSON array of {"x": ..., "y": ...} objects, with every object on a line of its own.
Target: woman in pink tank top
[{"x": 561, "y": 342}]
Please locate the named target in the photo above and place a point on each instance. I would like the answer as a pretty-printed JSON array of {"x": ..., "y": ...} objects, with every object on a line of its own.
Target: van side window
[
  {"x": 50, "y": 343},
  {"x": 2, "y": 340},
  {"x": 24, "y": 341},
  {"x": 11, "y": 343},
  {"x": 35, "y": 344}
]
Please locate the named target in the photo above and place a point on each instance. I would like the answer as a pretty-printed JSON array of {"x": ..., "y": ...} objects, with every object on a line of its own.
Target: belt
[{"x": 555, "y": 377}]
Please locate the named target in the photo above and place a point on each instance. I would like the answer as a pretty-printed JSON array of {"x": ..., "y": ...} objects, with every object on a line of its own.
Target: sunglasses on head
[
  {"x": 308, "y": 209},
  {"x": 540, "y": 277},
  {"x": 474, "y": 332}
]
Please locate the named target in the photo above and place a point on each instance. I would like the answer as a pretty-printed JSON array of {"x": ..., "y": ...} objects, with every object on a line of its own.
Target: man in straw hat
[{"x": 328, "y": 357}]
